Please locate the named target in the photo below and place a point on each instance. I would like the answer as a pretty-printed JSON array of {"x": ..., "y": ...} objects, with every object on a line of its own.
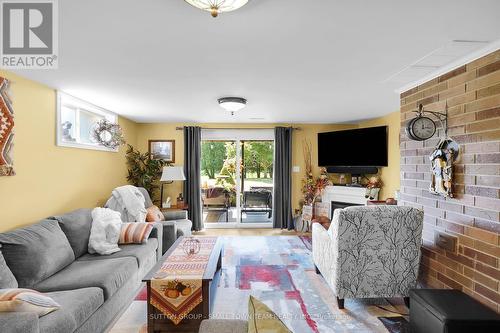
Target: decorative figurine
[
  {"x": 373, "y": 187},
  {"x": 442, "y": 169}
]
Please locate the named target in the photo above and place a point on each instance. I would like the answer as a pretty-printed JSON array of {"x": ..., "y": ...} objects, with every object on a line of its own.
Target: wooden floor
[{"x": 248, "y": 232}]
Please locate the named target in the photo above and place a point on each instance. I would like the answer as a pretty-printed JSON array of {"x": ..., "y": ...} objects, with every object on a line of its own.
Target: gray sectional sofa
[{"x": 51, "y": 256}]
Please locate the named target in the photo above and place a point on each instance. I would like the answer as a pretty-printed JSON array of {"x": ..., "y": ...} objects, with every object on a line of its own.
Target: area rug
[
  {"x": 6, "y": 130},
  {"x": 279, "y": 271}
]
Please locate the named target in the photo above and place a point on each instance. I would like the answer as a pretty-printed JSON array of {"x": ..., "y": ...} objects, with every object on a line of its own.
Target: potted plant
[{"x": 144, "y": 171}]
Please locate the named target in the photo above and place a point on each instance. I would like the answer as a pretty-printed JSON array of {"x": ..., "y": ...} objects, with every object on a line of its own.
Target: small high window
[{"x": 76, "y": 120}]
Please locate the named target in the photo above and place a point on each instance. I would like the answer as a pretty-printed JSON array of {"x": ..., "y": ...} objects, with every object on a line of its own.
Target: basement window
[{"x": 76, "y": 120}]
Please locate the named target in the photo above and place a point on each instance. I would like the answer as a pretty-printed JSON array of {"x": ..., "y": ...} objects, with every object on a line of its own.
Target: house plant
[{"x": 144, "y": 171}]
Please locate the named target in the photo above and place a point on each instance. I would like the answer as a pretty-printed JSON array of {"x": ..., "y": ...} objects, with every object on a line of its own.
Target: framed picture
[{"x": 162, "y": 150}]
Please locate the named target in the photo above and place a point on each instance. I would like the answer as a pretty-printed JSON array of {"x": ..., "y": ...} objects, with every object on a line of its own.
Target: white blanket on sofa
[
  {"x": 105, "y": 231},
  {"x": 130, "y": 202}
]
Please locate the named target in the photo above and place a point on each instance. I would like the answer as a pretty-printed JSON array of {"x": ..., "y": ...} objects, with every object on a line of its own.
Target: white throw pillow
[
  {"x": 105, "y": 231},
  {"x": 26, "y": 300}
]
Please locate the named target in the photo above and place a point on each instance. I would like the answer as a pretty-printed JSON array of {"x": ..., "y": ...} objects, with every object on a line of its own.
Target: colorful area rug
[
  {"x": 6, "y": 130},
  {"x": 279, "y": 271}
]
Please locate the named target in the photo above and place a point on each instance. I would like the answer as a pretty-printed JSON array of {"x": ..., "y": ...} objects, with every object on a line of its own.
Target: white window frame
[{"x": 81, "y": 106}]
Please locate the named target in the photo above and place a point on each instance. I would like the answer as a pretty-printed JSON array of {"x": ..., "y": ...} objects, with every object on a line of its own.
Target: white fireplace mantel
[{"x": 344, "y": 194}]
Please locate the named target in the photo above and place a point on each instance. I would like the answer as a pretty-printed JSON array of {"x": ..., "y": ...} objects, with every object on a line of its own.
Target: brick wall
[{"x": 472, "y": 93}]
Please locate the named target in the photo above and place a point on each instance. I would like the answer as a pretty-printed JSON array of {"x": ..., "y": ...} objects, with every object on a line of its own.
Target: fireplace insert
[{"x": 340, "y": 205}]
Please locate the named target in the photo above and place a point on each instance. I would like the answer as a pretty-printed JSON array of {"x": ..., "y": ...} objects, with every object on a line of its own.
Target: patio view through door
[{"x": 237, "y": 178}]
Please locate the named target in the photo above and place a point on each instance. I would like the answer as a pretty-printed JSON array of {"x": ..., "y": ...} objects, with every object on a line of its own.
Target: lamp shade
[
  {"x": 232, "y": 103},
  {"x": 171, "y": 173}
]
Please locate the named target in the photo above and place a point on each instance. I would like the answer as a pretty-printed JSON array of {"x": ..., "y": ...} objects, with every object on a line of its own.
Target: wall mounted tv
[{"x": 365, "y": 147}]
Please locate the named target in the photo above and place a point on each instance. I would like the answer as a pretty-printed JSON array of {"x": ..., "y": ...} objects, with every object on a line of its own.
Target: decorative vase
[{"x": 298, "y": 222}]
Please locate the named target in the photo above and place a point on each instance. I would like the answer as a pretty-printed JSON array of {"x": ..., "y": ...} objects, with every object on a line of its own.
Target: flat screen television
[{"x": 365, "y": 147}]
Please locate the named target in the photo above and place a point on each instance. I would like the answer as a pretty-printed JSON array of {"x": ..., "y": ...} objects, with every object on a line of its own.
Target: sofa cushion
[
  {"x": 76, "y": 225},
  {"x": 7, "y": 279},
  {"x": 145, "y": 254},
  {"x": 138, "y": 251},
  {"x": 36, "y": 252},
  {"x": 25, "y": 322},
  {"x": 109, "y": 275},
  {"x": 76, "y": 307}
]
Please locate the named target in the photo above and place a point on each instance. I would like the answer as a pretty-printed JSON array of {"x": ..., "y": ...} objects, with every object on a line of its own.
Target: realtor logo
[{"x": 29, "y": 34}]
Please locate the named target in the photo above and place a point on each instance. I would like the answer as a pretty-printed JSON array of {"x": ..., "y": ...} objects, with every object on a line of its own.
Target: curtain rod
[{"x": 236, "y": 128}]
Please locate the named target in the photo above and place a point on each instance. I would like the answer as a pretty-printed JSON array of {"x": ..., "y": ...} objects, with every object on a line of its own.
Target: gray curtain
[
  {"x": 283, "y": 178},
  {"x": 192, "y": 155}
]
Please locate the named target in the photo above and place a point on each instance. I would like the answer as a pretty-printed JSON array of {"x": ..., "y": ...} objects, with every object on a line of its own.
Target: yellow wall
[
  {"x": 53, "y": 180},
  {"x": 389, "y": 175},
  {"x": 308, "y": 132},
  {"x": 50, "y": 179}
]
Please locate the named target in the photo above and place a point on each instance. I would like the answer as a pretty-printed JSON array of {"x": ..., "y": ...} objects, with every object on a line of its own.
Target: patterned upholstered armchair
[{"x": 369, "y": 252}]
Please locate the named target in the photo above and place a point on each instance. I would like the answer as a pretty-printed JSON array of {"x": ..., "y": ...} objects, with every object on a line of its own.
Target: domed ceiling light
[
  {"x": 232, "y": 104},
  {"x": 215, "y": 7}
]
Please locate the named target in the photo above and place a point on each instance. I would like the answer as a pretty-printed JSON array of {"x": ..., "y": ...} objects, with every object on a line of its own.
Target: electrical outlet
[{"x": 446, "y": 242}]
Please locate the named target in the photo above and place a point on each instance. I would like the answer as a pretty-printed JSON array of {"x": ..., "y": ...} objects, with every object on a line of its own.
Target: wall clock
[{"x": 422, "y": 127}]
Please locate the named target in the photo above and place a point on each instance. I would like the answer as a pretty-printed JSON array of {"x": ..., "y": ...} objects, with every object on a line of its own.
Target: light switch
[{"x": 295, "y": 169}]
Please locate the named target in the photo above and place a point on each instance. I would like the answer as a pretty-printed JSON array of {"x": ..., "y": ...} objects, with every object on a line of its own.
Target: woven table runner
[{"x": 176, "y": 289}]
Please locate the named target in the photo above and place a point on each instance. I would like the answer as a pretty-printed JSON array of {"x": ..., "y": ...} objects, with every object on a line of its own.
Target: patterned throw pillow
[
  {"x": 154, "y": 214},
  {"x": 26, "y": 300},
  {"x": 263, "y": 319},
  {"x": 135, "y": 233}
]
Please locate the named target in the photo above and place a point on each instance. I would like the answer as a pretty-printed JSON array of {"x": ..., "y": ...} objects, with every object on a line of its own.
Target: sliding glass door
[
  {"x": 257, "y": 181},
  {"x": 218, "y": 181},
  {"x": 237, "y": 178}
]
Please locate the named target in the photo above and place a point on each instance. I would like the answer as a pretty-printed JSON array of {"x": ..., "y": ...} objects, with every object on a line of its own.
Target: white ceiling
[{"x": 308, "y": 61}]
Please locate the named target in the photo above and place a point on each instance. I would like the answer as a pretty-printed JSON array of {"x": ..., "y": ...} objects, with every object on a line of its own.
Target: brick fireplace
[{"x": 472, "y": 93}]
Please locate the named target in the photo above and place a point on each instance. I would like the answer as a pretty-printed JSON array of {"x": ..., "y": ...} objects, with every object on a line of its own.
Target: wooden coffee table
[{"x": 158, "y": 322}]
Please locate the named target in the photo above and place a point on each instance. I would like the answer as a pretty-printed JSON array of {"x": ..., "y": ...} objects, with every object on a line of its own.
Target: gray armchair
[
  {"x": 369, "y": 252},
  {"x": 175, "y": 225}
]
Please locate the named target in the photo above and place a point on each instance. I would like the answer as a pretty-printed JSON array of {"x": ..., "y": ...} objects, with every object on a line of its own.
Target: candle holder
[{"x": 191, "y": 246}]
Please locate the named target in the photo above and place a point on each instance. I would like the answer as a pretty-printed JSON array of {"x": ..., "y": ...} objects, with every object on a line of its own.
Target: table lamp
[{"x": 169, "y": 175}]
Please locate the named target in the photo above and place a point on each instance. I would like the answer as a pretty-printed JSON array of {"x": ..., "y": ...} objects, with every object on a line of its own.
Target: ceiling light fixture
[
  {"x": 215, "y": 7},
  {"x": 232, "y": 104}
]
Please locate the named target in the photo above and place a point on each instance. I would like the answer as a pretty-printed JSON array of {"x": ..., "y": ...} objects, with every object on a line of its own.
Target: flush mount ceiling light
[
  {"x": 232, "y": 104},
  {"x": 215, "y": 7}
]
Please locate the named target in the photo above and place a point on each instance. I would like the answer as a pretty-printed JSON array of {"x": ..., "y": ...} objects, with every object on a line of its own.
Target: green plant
[
  {"x": 143, "y": 170},
  {"x": 213, "y": 154}
]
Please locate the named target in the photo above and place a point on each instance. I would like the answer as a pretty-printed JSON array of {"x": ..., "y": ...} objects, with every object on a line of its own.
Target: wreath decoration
[{"x": 108, "y": 134}]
